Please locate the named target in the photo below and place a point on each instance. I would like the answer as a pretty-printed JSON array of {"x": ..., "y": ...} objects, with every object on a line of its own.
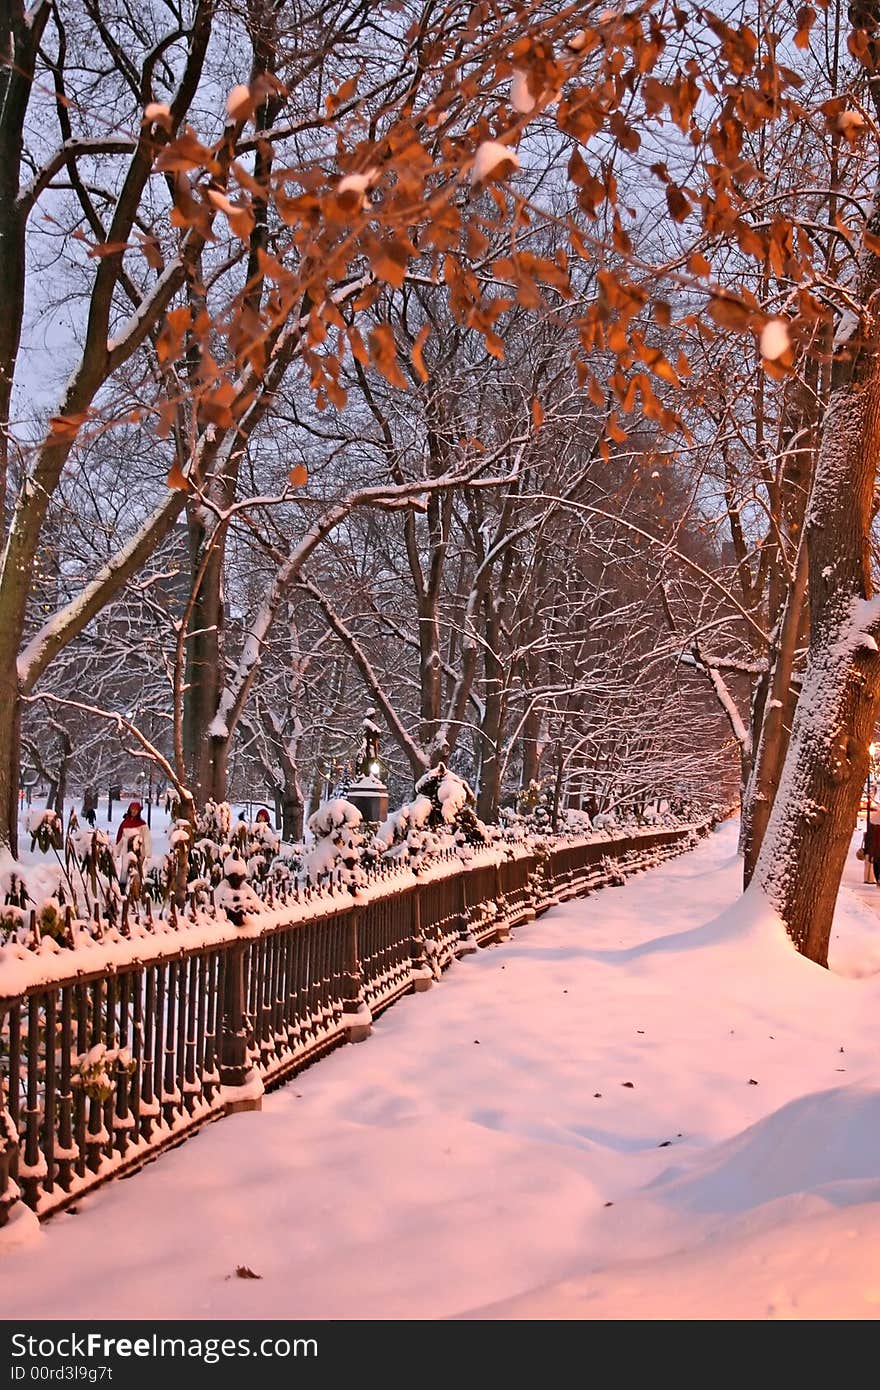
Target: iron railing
[{"x": 103, "y": 1069}]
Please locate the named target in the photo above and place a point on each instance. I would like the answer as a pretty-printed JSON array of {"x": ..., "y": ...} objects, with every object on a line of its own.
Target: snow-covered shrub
[
  {"x": 158, "y": 879},
  {"x": 94, "y": 853},
  {"x": 406, "y": 834},
  {"x": 179, "y": 841},
  {"x": 13, "y": 924},
  {"x": 96, "y": 1069},
  {"x": 211, "y": 846},
  {"x": 440, "y": 814},
  {"x": 50, "y": 919},
  {"x": 215, "y": 822},
  {"x": 534, "y": 806},
  {"x": 45, "y": 829},
  {"x": 258, "y": 844},
  {"x": 234, "y": 894},
  {"x": 287, "y": 867},
  {"x": 341, "y": 851},
  {"x": 217, "y": 838},
  {"x": 578, "y": 822},
  {"x": 512, "y": 828},
  {"x": 14, "y": 888}
]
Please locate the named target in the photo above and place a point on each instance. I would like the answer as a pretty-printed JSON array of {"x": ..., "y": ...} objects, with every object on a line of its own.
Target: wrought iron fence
[{"x": 101, "y": 1071}]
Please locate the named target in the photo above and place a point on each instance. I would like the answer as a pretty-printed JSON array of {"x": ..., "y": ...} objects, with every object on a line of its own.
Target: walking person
[
  {"x": 871, "y": 846},
  {"x": 132, "y": 827},
  {"x": 90, "y": 806}
]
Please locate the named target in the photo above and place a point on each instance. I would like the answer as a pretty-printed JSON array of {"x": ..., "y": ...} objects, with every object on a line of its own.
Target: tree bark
[{"x": 811, "y": 823}]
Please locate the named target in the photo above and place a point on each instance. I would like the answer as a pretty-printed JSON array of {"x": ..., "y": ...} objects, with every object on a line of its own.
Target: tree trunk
[
  {"x": 292, "y": 811},
  {"x": 773, "y": 743},
  {"x": 490, "y": 783},
  {"x": 10, "y": 760},
  {"x": 492, "y": 722},
  {"x": 810, "y": 826},
  {"x": 531, "y": 732},
  {"x": 216, "y": 781},
  {"x": 12, "y": 606},
  {"x": 319, "y": 777},
  {"x": 61, "y": 781},
  {"x": 557, "y": 786},
  {"x": 430, "y": 680},
  {"x": 204, "y": 670}
]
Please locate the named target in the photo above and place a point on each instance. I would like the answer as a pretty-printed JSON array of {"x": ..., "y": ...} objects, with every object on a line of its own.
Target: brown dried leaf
[
  {"x": 417, "y": 352},
  {"x": 177, "y": 481}
]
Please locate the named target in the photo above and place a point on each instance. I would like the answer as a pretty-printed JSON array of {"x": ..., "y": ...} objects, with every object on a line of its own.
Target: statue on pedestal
[{"x": 369, "y": 751}]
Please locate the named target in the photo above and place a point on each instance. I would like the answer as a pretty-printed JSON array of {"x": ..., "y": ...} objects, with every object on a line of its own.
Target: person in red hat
[{"x": 133, "y": 825}]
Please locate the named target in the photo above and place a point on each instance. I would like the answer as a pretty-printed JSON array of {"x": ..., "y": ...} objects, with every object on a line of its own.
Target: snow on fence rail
[{"x": 103, "y": 1066}]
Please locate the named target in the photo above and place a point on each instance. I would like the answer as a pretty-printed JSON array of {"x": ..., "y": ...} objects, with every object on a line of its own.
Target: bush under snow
[
  {"x": 336, "y": 856},
  {"x": 441, "y": 815}
]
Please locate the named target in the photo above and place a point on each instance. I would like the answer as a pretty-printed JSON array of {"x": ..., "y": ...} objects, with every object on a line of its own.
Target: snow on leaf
[
  {"x": 157, "y": 111},
  {"x": 774, "y": 339},
  {"x": 521, "y": 98},
  {"x": 239, "y": 102},
  {"x": 352, "y": 189},
  {"x": 493, "y": 162},
  {"x": 851, "y": 125}
]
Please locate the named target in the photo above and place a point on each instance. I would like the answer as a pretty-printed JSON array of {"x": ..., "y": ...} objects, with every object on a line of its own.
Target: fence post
[
  {"x": 420, "y": 970},
  {"x": 502, "y": 920},
  {"x": 551, "y": 886},
  {"x": 9, "y": 1190},
  {"x": 356, "y": 1017},
  {"x": 466, "y": 944},
  {"x": 236, "y": 1037}
]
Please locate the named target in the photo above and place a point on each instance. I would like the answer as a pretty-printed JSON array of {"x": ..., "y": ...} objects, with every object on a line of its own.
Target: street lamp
[{"x": 368, "y": 792}]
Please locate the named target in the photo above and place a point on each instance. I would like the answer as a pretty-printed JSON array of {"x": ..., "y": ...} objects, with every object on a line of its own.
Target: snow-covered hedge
[
  {"x": 84, "y": 886},
  {"x": 341, "y": 851},
  {"x": 440, "y": 816}
]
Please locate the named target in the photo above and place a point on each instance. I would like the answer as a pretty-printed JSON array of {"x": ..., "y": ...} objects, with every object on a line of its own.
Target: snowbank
[{"x": 637, "y": 1108}]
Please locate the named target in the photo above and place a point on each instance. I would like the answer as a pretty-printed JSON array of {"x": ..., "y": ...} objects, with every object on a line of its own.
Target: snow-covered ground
[{"x": 646, "y": 1105}]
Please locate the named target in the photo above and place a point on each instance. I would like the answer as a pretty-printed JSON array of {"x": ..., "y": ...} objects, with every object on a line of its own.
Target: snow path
[{"x": 462, "y": 1161}]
